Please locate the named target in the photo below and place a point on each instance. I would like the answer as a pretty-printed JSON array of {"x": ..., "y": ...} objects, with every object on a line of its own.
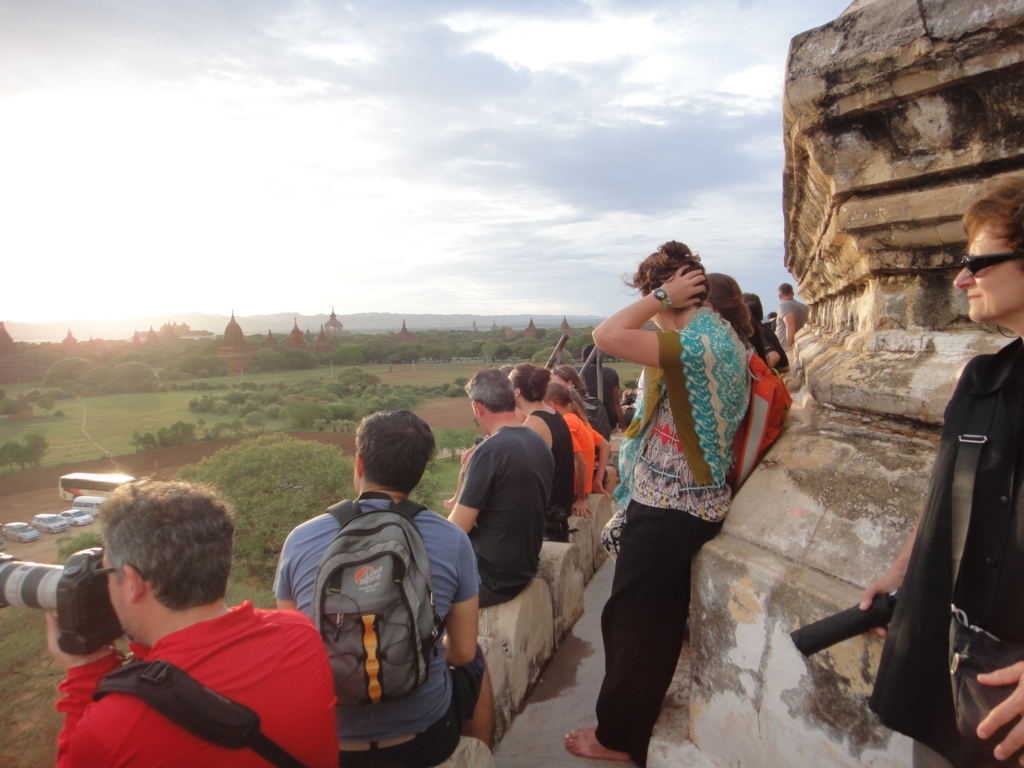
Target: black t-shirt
[
  {"x": 611, "y": 382},
  {"x": 509, "y": 480},
  {"x": 563, "y": 491}
]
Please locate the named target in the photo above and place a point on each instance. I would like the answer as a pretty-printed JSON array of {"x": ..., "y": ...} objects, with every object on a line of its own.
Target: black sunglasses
[{"x": 974, "y": 264}]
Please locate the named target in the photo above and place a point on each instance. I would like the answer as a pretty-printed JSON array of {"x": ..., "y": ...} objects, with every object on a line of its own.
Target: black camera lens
[
  {"x": 28, "y": 585},
  {"x": 77, "y": 593}
]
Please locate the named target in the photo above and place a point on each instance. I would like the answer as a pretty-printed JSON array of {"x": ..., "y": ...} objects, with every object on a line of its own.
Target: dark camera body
[{"x": 84, "y": 613}]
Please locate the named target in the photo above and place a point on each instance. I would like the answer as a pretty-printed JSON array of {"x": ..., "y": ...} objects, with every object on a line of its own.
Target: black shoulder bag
[{"x": 183, "y": 700}]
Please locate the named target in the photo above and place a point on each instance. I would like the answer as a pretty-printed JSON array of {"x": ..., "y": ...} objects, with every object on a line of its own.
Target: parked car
[
  {"x": 89, "y": 503},
  {"x": 76, "y": 516},
  {"x": 50, "y": 523},
  {"x": 20, "y": 532}
]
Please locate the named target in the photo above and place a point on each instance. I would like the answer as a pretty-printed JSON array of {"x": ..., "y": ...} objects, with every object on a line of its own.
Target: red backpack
[{"x": 765, "y": 421}]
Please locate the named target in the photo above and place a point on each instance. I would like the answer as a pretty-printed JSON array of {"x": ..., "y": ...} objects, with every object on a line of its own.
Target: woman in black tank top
[{"x": 530, "y": 383}]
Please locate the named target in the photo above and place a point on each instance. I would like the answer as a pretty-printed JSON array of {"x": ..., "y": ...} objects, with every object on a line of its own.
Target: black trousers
[{"x": 644, "y": 621}]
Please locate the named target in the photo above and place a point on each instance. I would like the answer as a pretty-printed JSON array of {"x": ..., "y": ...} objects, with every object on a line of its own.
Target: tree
[
  {"x": 94, "y": 378},
  {"x": 353, "y": 381},
  {"x": 11, "y": 454},
  {"x": 428, "y": 491},
  {"x": 132, "y": 377},
  {"x": 35, "y": 448},
  {"x": 9, "y": 407},
  {"x": 294, "y": 360},
  {"x": 66, "y": 371},
  {"x": 350, "y": 354},
  {"x": 304, "y": 413},
  {"x": 454, "y": 440},
  {"x": 46, "y": 403},
  {"x": 142, "y": 442},
  {"x": 194, "y": 362},
  {"x": 274, "y": 482},
  {"x": 179, "y": 433},
  {"x": 255, "y": 422}
]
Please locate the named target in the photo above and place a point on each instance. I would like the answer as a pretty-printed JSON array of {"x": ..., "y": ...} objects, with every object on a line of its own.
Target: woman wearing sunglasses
[{"x": 952, "y": 669}]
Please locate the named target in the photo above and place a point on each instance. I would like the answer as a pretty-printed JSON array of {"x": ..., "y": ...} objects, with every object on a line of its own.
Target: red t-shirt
[{"x": 271, "y": 661}]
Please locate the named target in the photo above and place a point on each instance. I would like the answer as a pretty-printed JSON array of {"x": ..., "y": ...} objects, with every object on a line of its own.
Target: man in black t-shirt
[
  {"x": 610, "y": 379},
  {"x": 505, "y": 493}
]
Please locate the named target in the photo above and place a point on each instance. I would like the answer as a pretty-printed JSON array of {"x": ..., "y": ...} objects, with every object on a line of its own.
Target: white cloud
[{"x": 289, "y": 156}]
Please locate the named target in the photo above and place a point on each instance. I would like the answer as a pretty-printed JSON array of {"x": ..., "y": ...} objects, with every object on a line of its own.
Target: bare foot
[{"x": 584, "y": 743}]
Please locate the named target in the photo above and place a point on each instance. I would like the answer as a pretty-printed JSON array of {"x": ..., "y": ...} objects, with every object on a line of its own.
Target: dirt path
[{"x": 85, "y": 413}]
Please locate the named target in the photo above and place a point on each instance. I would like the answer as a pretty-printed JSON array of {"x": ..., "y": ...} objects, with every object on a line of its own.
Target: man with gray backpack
[{"x": 383, "y": 580}]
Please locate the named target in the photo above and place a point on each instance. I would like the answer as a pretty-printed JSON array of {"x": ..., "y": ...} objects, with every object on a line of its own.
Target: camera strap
[{"x": 199, "y": 710}]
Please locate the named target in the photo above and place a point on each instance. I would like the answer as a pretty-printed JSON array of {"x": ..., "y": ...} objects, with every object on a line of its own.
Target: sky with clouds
[{"x": 166, "y": 156}]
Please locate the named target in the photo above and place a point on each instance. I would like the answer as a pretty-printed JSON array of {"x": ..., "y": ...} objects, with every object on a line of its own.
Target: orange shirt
[{"x": 584, "y": 438}]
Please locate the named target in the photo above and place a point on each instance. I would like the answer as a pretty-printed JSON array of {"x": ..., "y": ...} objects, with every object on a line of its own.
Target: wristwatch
[{"x": 660, "y": 295}]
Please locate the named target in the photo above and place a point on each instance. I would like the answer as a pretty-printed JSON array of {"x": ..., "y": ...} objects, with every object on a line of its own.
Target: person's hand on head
[{"x": 684, "y": 289}]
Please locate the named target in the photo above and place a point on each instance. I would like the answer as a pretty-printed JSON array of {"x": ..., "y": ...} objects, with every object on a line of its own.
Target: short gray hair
[
  {"x": 492, "y": 390},
  {"x": 178, "y": 536}
]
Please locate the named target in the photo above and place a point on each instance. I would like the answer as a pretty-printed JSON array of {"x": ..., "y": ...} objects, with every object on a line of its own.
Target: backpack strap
[
  {"x": 344, "y": 511},
  {"x": 185, "y": 701},
  {"x": 408, "y": 508}
]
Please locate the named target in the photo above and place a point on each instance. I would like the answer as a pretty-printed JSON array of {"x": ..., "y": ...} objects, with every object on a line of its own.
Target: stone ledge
[
  {"x": 519, "y": 638},
  {"x": 755, "y": 700},
  {"x": 471, "y": 753},
  {"x": 583, "y": 538},
  {"x": 560, "y": 569},
  {"x": 522, "y": 630}
]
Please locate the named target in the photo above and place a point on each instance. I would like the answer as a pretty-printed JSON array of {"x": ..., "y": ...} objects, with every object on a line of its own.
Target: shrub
[
  {"x": 68, "y": 545},
  {"x": 274, "y": 483},
  {"x": 304, "y": 413}
]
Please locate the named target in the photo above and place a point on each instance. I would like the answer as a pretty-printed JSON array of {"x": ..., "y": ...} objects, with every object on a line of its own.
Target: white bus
[{"x": 85, "y": 484}]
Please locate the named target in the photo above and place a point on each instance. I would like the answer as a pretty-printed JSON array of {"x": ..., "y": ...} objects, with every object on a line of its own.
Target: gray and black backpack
[{"x": 373, "y": 603}]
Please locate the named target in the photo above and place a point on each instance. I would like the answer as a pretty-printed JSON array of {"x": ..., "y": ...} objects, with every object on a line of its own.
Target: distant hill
[{"x": 362, "y": 322}]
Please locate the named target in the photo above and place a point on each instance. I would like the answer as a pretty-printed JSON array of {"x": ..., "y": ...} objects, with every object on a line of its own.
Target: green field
[{"x": 111, "y": 419}]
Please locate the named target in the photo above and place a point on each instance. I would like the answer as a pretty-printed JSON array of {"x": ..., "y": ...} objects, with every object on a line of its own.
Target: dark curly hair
[
  {"x": 662, "y": 264},
  {"x": 531, "y": 381},
  {"x": 1002, "y": 208},
  {"x": 727, "y": 299}
]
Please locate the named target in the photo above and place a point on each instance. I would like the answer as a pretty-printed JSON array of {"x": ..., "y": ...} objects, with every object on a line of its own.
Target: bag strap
[
  {"x": 669, "y": 351},
  {"x": 964, "y": 474},
  {"x": 185, "y": 701},
  {"x": 344, "y": 511}
]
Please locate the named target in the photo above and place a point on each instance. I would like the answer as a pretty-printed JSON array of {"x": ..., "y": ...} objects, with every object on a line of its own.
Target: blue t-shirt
[{"x": 454, "y": 576}]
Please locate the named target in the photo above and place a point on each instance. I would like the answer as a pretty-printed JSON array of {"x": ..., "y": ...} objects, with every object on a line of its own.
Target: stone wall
[
  {"x": 521, "y": 636},
  {"x": 896, "y": 115}
]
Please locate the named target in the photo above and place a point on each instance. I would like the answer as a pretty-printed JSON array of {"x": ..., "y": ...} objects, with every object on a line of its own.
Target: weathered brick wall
[{"x": 896, "y": 115}]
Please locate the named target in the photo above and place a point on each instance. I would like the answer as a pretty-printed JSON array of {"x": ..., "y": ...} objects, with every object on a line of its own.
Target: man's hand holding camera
[{"x": 68, "y": 660}]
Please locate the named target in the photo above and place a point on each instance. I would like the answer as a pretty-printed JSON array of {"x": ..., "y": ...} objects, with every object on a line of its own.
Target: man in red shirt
[{"x": 169, "y": 548}]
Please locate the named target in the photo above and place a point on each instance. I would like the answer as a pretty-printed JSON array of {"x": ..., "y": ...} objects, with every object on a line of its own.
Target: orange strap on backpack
[{"x": 765, "y": 421}]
